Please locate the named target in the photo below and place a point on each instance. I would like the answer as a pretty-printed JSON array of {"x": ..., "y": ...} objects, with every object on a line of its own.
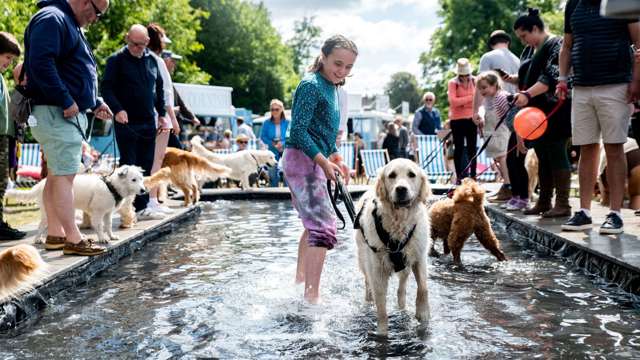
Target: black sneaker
[
  {"x": 612, "y": 224},
  {"x": 9, "y": 233},
  {"x": 579, "y": 221}
]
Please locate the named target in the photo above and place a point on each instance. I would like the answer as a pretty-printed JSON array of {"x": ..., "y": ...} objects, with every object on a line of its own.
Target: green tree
[
  {"x": 178, "y": 17},
  {"x": 462, "y": 35},
  {"x": 305, "y": 40},
  {"x": 403, "y": 86},
  {"x": 243, "y": 50}
]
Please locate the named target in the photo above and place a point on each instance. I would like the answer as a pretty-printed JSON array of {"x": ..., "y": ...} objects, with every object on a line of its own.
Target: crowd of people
[{"x": 584, "y": 81}]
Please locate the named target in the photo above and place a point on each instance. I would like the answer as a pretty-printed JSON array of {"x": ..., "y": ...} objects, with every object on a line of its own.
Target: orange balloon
[{"x": 530, "y": 123}]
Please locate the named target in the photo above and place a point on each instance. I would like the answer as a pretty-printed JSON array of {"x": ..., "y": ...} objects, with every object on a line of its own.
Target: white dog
[
  {"x": 393, "y": 236},
  {"x": 242, "y": 163},
  {"x": 97, "y": 196}
]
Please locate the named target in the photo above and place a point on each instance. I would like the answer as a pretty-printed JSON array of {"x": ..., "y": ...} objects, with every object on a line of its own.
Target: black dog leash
[{"x": 341, "y": 192}]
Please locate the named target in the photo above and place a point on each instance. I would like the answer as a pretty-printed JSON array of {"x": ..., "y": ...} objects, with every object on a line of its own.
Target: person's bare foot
[{"x": 315, "y": 300}]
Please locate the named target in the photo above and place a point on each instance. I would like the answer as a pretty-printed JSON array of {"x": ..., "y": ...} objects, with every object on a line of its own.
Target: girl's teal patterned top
[{"x": 315, "y": 117}]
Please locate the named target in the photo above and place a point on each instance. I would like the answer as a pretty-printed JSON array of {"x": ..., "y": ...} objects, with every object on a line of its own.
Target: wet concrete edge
[
  {"x": 20, "y": 310},
  {"x": 592, "y": 262}
]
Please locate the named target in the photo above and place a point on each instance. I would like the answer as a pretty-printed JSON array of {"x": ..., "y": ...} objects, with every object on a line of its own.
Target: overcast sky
[{"x": 390, "y": 34}]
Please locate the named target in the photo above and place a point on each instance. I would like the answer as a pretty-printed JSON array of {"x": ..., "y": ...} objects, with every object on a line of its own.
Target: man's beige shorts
[{"x": 600, "y": 110}]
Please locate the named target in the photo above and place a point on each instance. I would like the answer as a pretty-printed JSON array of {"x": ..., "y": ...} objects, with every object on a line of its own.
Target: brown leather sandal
[
  {"x": 54, "y": 242},
  {"x": 85, "y": 247}
]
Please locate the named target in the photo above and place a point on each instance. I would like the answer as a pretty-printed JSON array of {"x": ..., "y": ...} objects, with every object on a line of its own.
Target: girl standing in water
[{"x": 311, "y": 157}]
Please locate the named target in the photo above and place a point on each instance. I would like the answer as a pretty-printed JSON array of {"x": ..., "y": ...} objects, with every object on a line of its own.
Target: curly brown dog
[{"x": 454, "y": 220}]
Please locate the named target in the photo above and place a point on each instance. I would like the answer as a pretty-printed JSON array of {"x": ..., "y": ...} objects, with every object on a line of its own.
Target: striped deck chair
[
  {"x": 347, "y": 151},
  {"x": 373, "y": 160},
  {"x": 483, "y": 162},
  {"x": 430, "y": 150},
  {"x": 29, "y": 157}
]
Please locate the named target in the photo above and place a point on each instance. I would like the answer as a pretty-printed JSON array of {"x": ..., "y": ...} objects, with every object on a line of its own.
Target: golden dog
[
  {"x": 393, "y": 237},
  {"x": 21, "y": 267},
  {"x": 181, "y": 170}
]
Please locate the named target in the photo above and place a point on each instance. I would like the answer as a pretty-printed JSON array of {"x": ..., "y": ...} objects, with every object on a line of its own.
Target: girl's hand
[{"x": 328, "y": 167}]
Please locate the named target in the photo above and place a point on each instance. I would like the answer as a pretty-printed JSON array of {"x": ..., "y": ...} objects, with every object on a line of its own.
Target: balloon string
[{"x": 553, "y": 112}]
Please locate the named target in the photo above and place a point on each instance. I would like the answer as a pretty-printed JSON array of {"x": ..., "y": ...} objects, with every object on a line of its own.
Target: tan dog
[
  {"x": 21, "y": 268},
  {"x": 454, "y": 220},
  {"x": 531, "y": 164},
  {"x": 184, "y": 166},
  {"x": 393, "y": 236}
]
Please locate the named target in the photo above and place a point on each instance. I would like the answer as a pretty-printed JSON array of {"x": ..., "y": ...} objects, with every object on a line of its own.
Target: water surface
[{"x": 222, "y": 287}]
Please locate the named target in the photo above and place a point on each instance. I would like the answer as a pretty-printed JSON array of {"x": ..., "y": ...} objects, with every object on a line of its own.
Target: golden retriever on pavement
[
  {"x": 242, "y": 163},
  {"x": 393, "y": 236},
  {"x": 183, "y": 168}
]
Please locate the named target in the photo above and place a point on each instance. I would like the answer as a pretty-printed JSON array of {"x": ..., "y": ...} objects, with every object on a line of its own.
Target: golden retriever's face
[{"x": 401, "y": 183}]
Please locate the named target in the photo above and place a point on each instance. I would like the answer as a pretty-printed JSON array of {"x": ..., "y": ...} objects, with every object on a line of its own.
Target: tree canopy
[
  {"x": 243, "y": 50},
  {"x": 305, "y": 40},
  {"x": 177, "y": 17},
  {"x": 403, "y": 87}
]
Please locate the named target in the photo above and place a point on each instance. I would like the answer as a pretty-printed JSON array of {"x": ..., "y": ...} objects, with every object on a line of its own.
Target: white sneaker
[
  {"x": 150, "y": 214},
  {"x": 163, "y": 209}
]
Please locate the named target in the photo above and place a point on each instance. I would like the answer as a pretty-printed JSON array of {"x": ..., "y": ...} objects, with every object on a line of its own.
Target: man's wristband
[{"x": 563, "y": 78}]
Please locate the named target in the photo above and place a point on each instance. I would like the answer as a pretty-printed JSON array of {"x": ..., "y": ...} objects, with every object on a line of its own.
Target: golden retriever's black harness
[
  {"x": 116, "y": 195},
  {"x": 392, "y": 246}
]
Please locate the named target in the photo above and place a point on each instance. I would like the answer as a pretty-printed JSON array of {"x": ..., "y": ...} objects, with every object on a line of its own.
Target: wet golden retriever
[{"x": 393, "y": 236}]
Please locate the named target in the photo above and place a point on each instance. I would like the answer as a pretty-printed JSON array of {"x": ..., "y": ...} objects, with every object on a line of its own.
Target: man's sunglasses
[
  {"x": 96, "y": 10},
  {"x": 242, "y": 142}
]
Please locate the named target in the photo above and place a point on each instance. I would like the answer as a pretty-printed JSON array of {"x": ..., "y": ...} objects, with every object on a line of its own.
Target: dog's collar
[
  {"x": 392, "y": 246},
  {"x": 116, "y": 195}
]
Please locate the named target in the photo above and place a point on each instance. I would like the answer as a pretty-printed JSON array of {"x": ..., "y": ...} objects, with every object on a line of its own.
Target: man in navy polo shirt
[{"x": 61, "y": 79}]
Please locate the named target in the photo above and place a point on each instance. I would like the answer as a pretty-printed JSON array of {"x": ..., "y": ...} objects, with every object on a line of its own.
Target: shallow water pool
[{"x": 222, "y": 287}]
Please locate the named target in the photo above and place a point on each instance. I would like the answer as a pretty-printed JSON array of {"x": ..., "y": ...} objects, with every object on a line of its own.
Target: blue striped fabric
[
  {"x": 430, "y": 150},
  {"x": 29, "y": 155},
  {"x": 483, "y": 162},
  {"x": 373, "y": 160},
  {"x": 347, "y": 152}
]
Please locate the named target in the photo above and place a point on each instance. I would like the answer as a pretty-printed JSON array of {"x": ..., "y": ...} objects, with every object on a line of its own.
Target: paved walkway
[{"x": 614, "y": 257}]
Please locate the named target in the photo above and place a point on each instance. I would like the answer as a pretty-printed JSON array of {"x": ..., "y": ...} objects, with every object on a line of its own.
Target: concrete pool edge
[
  {"x": 593, "y": 262},
  {"x": 18, "y": 311}
]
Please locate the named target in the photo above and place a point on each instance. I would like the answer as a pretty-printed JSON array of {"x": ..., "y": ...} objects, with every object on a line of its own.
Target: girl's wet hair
[
  {"x": 491, "y": 78},
  {"x": 528, "y": 21},
  {"x": 332, "y": 43}
]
